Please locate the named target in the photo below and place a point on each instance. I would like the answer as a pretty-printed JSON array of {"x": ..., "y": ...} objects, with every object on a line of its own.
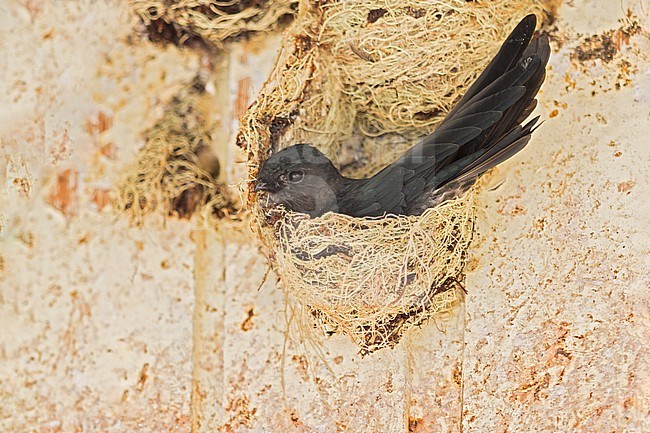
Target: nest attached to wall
[
  {"x": 373, "y": 278},
  {"x": 176, "y": 171},
  {"x": 210, "y": 21},
  {"x": 363, "y": 81}
]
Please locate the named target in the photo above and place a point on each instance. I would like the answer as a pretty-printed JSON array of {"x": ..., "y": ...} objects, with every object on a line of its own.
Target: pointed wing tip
[
  {"x": 526, "y": 27},
  {"x": 533, "y": 125},
  {"x": 530, "y": 20}
]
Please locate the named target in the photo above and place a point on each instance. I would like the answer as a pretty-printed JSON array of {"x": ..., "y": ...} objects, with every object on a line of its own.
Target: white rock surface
[{"x": 117, "y": 329}]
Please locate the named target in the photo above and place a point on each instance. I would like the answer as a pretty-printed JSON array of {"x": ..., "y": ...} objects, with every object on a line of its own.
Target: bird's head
[{"x": 302, "y": 179}]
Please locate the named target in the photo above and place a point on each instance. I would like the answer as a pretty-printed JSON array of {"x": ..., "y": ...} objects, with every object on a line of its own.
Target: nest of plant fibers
[
  {"x": 176, "y": 171},
  {"x": 209, "y": 21},
  {"x": 374, "y": 278},
  {"x": 363, "y": 81}
]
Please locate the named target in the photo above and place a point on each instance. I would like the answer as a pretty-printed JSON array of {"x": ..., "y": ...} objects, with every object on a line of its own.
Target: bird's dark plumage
[{"x": 482, "y": 130}]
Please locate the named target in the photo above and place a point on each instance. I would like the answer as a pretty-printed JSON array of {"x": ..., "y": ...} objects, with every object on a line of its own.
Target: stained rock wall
[{"x": 108, "y": 327}]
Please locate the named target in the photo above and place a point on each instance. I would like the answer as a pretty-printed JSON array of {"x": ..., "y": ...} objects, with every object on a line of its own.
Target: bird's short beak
[{"x": 262, "y": 186}]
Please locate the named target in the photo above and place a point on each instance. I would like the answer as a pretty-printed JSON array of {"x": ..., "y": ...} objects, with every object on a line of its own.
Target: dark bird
[{"x": 482, "y": 130}]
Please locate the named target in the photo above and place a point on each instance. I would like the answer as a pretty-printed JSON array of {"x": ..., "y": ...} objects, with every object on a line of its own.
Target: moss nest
[
  {"x": 176, "y": 172},
  {"x": 211, "y": 22},
  {"x": 363, "y": 81}
]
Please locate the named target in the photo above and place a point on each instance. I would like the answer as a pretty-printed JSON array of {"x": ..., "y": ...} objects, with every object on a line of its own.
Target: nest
[
  {"x": 363, "y": 81},
  {"x": 209, "y": 21},
  {"x": 176, "y": 171},
  {"x": 372, "y": 278}
]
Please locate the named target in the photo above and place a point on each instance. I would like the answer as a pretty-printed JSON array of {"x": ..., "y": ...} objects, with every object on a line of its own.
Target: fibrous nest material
[
  {"x": 363, "y": 81},
  {"x": 373, "y": 278},
  {"x": 209, "y": 21},
  {"x": 176, "y": 172}
]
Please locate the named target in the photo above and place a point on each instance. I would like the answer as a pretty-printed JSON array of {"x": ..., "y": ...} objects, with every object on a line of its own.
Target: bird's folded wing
[
  {"x": 482, "y": 130},
  {"x": 379, "y": 195}
]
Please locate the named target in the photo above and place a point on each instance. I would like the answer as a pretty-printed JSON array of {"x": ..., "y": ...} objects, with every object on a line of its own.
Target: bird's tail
[{"x": 519, "y": 65}]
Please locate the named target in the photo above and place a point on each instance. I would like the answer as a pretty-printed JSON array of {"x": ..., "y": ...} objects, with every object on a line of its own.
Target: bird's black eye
[{"x": 296, "y": 176}]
